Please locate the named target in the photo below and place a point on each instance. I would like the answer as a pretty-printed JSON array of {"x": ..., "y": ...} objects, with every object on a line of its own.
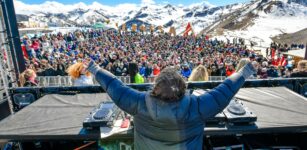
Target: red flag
[
  {"x": 187, "y": 29},
  {"x": 207, "y": 37},
  {"x": 272, "y": 53},
  {"x": 283, "y": 61},
  {"x": 274, "y": 61}
]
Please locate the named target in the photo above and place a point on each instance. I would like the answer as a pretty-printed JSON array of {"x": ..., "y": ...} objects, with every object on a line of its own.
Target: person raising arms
[{"x": 168, "y": 118}]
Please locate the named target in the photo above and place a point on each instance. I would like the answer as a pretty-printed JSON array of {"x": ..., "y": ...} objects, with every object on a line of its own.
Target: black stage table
[{"x": 60, "y": 117}]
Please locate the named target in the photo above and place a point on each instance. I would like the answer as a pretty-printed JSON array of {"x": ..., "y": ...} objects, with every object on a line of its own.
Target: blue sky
[{"x": 116, "y": 2}]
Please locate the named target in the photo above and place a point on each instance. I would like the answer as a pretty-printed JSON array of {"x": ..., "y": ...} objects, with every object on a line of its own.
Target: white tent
[{"x": 296, "y": 53}]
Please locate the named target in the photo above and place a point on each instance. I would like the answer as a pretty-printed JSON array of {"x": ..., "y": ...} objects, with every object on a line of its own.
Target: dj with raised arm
[{"x": 167, "y": 118}]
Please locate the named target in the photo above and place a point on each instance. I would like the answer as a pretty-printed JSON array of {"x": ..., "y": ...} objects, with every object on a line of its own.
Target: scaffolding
[{"x": 8, "y": 73}]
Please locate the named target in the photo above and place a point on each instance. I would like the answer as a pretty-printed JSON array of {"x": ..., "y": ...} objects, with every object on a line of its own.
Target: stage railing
[
  {"x": 46, "y": 81},
  {"x": 298, "y": 85}
]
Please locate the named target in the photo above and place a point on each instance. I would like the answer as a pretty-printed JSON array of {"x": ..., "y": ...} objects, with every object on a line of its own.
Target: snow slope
[{"x": 273, "y": 20}]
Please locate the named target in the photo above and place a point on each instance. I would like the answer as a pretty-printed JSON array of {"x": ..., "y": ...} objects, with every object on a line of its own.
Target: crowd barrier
[
  {"x": 46, "y": 81},
  {"x": 298, "y": 85}
]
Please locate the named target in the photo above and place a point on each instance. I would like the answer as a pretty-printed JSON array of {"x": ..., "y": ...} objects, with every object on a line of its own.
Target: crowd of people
[{"x": 52, "y": 54}]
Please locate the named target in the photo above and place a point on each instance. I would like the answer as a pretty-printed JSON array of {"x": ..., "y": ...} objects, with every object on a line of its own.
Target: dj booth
[{"x": 58, "y": 115}]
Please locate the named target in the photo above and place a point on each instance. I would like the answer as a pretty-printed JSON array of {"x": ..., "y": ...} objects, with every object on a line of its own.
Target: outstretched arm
[
  {"x": 218, "y": 98},
  {"x": 124, "y": 97}
]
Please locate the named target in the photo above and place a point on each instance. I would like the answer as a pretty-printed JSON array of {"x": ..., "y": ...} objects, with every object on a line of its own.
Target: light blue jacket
[{"x": 163, "y": 125}]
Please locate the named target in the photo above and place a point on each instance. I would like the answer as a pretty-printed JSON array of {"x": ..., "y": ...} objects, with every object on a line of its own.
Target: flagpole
[{"x": 305, "y": 52}]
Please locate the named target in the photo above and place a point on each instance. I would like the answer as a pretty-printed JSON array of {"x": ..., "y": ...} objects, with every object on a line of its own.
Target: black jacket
[{"x": 299, "y": 74}]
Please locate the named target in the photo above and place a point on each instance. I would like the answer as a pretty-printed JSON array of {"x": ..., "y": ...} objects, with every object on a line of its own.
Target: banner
[
  {"x": 161, "y": 29},
  {"x": 207, "y": 37},
  {"x": 142, "y": 28},
  {"x": 172, "y": 31},
  {"x": 134, "y": 27},
  {"x": 124, "y": 27},
  {"x": 273, "y": 56},
  {"x": 152, "y": 28}
]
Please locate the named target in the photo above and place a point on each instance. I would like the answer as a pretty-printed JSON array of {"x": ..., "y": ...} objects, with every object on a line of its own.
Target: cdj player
[
  {"x": 104, "y": 115},
  {"x": 237, "y": 114},
  {"x": 234, "y": 114}
]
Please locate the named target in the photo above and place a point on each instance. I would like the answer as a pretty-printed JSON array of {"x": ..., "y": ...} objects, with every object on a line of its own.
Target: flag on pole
[
  {"x": 273, "y": 56},
  {"x": 188, "y": 29}
]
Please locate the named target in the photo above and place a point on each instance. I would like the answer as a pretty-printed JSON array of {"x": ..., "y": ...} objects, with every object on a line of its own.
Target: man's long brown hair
[{"x": 169, "y": 86}]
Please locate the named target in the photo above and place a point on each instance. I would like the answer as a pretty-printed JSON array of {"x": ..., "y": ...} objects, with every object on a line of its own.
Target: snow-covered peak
[
  {"x": 203, "y": 4},
  {"x": 302, "y": 2}
]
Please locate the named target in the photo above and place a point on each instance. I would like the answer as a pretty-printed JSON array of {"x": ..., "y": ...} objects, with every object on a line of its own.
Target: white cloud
[
  {"x": 180, "y": 5},
  {"x": 148, "y": 2},
  {"x": 126, "y": 7},
  {"x": 203, "y": 3},
  {"x": 165, "y": 2}
]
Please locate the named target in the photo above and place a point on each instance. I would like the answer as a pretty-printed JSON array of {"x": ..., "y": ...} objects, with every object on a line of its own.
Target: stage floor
[{"x": 56, "y": 117}]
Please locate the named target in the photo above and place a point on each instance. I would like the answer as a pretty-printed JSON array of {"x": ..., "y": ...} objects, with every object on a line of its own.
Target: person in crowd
[
  {"x": 257, "y": 66},
  {"x": 111, "y": 49},
  {"x": 186, "y": 71},
  {"x": 288, "y": 72},
  {"x": 28, "y": 78},
  {"x": 61, "y": 69},
  {"x": 301, "y": 69},
  {"x": 199, "y": 73},
  {"x": 156, "y": 70},
  {"x": 272, "y": 72},
  {"x": 80, "y": 75},
  {"x": 167, "y": 117},
  {"x": 214, "y": 71},
  {"x": 142, "y": 70},
  {"x": 135, "y": 76},
  {"x": 48, "y": 70},
  {"x": 263, "y": 73},
  {"x": 230, "y": 70},
  {"x": 221, "y": 69},
  {"x": 148, "y": 70}
]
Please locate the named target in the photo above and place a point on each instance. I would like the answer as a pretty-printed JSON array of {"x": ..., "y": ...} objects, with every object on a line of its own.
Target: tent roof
[
  {"x": 99, "y": 25},
  {"x": 297, "y": 53}
]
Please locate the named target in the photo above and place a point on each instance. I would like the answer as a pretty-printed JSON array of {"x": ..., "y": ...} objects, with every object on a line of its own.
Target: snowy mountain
[
  {"x": 302, "y": 2},
  {"x": 262, "y": 20},
  {"x": 257, "y": 20}
]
